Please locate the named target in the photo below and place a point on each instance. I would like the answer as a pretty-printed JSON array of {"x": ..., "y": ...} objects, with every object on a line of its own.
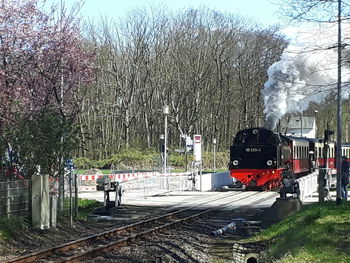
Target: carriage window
[
  {"x": 302, "y": 152},
  {"x": 297, "y": 155},
  {"x": 294, "y": 154}
]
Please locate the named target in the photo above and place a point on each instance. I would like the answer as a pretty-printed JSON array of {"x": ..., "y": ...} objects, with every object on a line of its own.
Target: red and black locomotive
[{"x": 261, "y": 159}]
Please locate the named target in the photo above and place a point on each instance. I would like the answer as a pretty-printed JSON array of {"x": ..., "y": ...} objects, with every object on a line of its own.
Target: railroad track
[{"x": 96, "y": 245}]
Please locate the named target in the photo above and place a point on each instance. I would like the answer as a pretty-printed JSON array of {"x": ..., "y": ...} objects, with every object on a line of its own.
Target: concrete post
[{"x": 40, "y": 201}]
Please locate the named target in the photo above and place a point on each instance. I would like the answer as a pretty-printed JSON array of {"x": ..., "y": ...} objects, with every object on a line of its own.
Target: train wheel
[{"x": 266, "y": 187}]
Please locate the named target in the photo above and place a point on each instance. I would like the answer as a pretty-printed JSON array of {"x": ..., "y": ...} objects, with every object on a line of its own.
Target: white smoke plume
[{"x": 306, "y": 72}]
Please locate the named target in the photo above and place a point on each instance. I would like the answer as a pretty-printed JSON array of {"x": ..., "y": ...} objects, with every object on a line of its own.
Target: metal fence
[
  {"x": 15, "y": 198},
  {"x": 158, "y": 185}
]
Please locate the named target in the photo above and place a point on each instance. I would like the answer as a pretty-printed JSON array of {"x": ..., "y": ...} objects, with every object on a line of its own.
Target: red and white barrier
[
  {"x": 88, "y": 182},
  {"x": 132, "y": 176},
  {"x": 84, "y": 188}
]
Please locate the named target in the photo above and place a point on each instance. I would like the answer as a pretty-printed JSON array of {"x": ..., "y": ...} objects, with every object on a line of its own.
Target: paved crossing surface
[{"x": 196, "y": 198}]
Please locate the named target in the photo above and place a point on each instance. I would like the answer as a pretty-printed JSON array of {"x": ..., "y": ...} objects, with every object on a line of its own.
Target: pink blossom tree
[
  {"x": 44, "y": 64},
  {"x": 43, "y": 60}
]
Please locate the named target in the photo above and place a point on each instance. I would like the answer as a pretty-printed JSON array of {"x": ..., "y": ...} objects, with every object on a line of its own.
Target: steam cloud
[{"x": 306, "y": 72}]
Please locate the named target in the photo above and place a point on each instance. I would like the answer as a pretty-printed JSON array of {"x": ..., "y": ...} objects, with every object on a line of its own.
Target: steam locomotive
[{"x": 261, "y": 158}]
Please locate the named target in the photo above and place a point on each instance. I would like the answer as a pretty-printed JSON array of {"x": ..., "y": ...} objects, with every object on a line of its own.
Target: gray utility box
[{"x": 40, "y": 201}]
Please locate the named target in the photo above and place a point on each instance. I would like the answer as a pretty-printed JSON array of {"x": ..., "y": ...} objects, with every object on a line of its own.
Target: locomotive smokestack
[{"x": 270, "y": 123}]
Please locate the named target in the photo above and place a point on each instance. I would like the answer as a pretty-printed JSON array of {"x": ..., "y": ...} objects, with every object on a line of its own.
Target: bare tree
[{"x": 199, "y": 62}]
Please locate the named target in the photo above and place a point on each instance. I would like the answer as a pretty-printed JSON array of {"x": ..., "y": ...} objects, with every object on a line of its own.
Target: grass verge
[
  {"x": 319, "y": 233},
  {"x": 86, "y": 207},
  {"x": 7, "y": 225}
]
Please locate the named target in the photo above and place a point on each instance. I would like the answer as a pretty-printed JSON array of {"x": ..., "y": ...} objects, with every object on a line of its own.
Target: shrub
[
  {"x": 177, "y": 160},
  {"x": 83, "y": 163},
  {"x": 136, "y": 159}
]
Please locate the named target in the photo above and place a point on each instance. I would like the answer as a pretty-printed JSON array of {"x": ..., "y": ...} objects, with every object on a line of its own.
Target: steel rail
[
  {"x": 32, "y": 257},
  {"x": 98, "y": 251}
]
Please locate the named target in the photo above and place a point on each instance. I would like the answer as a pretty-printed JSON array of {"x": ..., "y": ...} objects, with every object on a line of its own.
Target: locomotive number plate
[{"x": 253, "y": 150}]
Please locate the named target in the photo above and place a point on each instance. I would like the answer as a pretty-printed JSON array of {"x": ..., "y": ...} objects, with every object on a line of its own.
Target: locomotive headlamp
[
  {"x": 235, "y": 162},
  {"x": 269, "y": 162}
]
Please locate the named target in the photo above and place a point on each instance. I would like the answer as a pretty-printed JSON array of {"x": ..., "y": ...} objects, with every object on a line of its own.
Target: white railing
[
  {"x": 308, "y": 185},
  {"x": 157, "y": 185}
]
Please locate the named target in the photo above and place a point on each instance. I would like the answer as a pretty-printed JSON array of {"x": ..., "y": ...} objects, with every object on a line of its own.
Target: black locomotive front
[{"x": 257, "y": 157}]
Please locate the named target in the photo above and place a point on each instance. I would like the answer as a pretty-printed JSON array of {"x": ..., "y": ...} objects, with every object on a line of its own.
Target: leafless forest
[{"x": 208, "y": 67}]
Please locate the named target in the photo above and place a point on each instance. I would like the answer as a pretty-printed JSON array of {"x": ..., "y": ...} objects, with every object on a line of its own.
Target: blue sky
[{"x": 262, "y": 11}]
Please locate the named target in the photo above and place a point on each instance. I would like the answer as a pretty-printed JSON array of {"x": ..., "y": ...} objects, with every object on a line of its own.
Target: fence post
[{"x": 8, "y": 199}]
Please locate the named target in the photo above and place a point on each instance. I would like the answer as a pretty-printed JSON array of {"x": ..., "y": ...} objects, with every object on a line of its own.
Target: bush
[
  {"x": 178, "y": 160},
  {"x": 136, "y": 159},
  {"x": 221, "y": 160},
  {"x": 83, "y": 163}
]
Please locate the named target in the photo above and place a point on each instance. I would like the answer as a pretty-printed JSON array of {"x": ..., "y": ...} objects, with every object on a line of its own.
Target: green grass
[
  {"x": 319, "y": 233},
  {"x": 7, "y": 225},
  {"x": 86, "y": 207}
]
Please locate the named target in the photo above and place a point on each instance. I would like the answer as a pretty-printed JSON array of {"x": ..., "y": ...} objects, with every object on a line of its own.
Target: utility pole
[
  {"x": 339, "y": 109},
  {"x": 301, "y": 125},
  {"x": 166, "y": 113},
  {"x": 214, "y": 154}
]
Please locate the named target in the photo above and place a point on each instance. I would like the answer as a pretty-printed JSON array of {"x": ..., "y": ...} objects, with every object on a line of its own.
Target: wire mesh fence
[{"x": 15, "y": 198}]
